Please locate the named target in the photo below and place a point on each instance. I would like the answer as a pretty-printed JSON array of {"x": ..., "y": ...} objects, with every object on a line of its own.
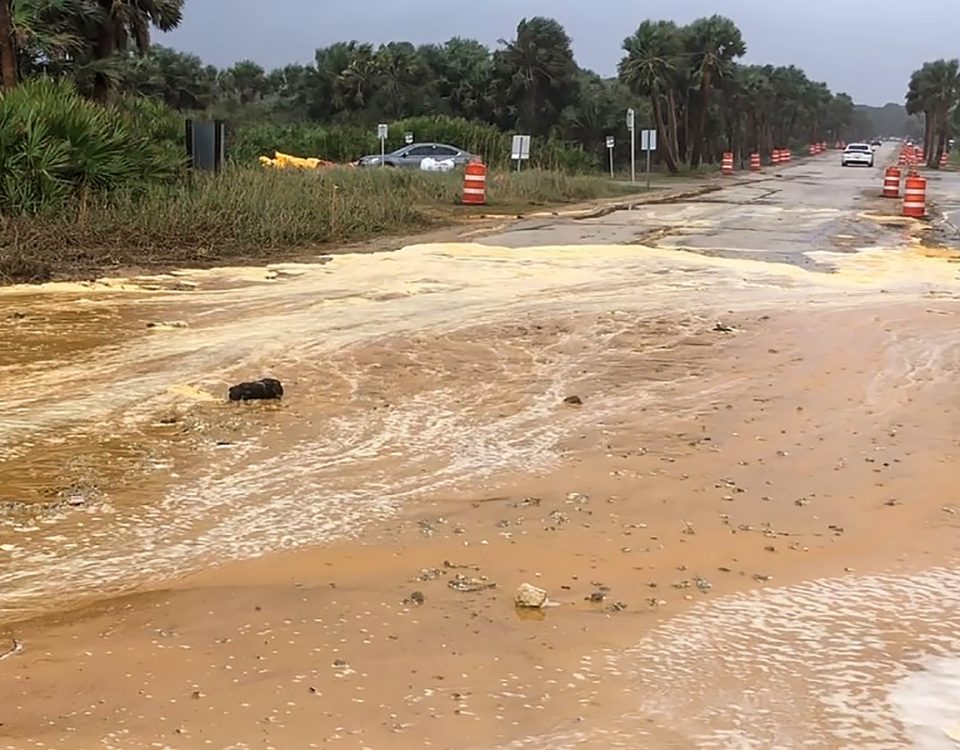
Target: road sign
[
  {"x": 408, "y": 138},
  {"x": 520, "y": 149},
  {"x": 610, "y": 141},
  {"x": 648, "y": 142},
  {"x": 382, "y": 131},
  {"x": 631, "y": 119},
  {"x": 632, "y": 127}
]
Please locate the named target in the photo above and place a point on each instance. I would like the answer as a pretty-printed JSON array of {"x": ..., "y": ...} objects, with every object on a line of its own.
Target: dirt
[{"x": 339, "y": 570}]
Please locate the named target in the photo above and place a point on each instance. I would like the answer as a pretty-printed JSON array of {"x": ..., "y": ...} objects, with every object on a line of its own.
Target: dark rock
[
  {"x": 265, "y": 388},
  {"x": 416, "y": 597},
  {"x": 573, "y": 401}
]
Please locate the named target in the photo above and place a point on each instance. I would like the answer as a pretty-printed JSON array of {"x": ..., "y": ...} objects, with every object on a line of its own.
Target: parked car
[
  {"x": 857, "y": 153},
  {"x": 415, "y": 153}
]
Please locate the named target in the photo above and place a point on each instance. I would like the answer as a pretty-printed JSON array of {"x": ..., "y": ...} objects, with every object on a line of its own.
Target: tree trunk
[
  {"x": 668, "y": 156},
  {"x": 8, "y": 47},
  {"x": 929, "y": 122},
  {"x": 104, "y": 47},
  {"x": 674, "y": 133},
  {"x": 701, "y": 135}
]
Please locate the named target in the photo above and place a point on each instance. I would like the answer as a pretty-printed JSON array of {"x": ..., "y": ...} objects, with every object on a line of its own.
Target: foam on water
[{"x": 856, "y": 662}]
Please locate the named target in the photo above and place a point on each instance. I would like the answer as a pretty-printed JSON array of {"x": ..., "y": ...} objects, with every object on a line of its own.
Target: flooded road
[{"x": 769, "y": 421}]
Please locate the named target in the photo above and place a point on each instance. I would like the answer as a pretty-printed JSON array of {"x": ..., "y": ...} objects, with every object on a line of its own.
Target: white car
[{"x": 857, "y": 153}]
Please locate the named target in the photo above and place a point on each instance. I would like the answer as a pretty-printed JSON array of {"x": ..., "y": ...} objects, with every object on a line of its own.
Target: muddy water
[
  {"x": 133, "y": 416},
  {"x": 436, "y": 372}
]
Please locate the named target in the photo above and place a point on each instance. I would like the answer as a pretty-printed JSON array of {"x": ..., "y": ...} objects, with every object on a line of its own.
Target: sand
[{"x": 799, "y": 458}]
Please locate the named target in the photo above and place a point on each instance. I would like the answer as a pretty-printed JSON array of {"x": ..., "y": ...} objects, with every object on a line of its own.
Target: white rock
[{"x": 530, "y": 596}]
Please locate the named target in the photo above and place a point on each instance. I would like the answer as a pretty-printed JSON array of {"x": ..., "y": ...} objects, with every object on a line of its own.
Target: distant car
[
  {"x": 857, "y": 153},
  {"x": 876, "y": 143},
  {"x": 414, "y": 154}
]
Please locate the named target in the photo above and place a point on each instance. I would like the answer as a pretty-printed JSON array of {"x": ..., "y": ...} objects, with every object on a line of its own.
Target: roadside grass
[{"x": 255, "y": 214}]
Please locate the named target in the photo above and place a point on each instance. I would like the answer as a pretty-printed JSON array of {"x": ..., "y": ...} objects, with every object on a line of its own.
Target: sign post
[
  {"x": 520, "y": 149},
  {"x": 382, "y": 132},
  {"x": 610, "y": 143},
  {"x": 632, "y": 127},
  {"x": 408, "y": 138},
  {"x": 648, "y": 142}
]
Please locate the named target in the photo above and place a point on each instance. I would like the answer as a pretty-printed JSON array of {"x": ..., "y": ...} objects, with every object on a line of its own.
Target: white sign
[
  {"x": 520, "y": 148},
  {"x": 648, "y": 140},
  {"x": 408, "y": 138},
  {"x": 382, "y": 131},
  {"x": 610, "y": 141},
  {"x": 631, "y": 119}
]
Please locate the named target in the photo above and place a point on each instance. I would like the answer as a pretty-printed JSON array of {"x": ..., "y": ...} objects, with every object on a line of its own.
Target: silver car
[{"x": 415, "y": 153}]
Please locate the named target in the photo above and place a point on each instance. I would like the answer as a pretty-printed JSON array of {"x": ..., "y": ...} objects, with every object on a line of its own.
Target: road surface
[{"x": 748, "y": 523}]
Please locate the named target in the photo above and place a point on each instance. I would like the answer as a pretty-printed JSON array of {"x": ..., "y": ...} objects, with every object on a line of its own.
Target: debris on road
[
  {"x": 530, "y": 597},
  {"x": 263, "y": 389}
]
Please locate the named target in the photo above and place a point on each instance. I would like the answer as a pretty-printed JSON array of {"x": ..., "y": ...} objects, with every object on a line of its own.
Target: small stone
[
  {"x": 416, "y": 597},
  {"x": 529, "y": 596},
  {"x": 596, "y": 597},
  {"x": 573, "y": 401}
]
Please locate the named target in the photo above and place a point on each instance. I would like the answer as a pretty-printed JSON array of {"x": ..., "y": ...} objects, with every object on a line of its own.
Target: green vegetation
[
  {"x": 253, "y": 214},
  {"x": 91, "y": 130},
  {"x": 934, "y": 92}
]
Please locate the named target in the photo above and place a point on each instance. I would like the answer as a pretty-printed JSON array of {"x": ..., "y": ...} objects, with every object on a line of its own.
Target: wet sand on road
[
  {"x": 748, "y": 526},
  {"x": 816, "y": 441}
]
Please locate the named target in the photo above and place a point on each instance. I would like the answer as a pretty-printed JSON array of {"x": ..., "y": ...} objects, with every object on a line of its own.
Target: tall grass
[
  {"x": 348, "y": 143},
  {"x": 256, "y": 214}
]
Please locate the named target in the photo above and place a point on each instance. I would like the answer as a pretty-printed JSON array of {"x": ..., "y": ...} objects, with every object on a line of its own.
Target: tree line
[
  {"x": 685, "y": 80},
  {"x": 934, "y": 94}
]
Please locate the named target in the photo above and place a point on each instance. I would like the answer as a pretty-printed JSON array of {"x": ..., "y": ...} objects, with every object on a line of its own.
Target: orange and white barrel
[
  {"x": 813, "y": 149},
  {"x": 475, "y": 184},
  {"x": 727, "y": 163},
  {"x": 755, "y": 162},
  {"x": 775, "y": 157},
  {"x": 787, "y": 156},
  {"x": 944, "y": 159},
  {"x": 915, "y": 197},
  {"x": 891, "y": 182}
]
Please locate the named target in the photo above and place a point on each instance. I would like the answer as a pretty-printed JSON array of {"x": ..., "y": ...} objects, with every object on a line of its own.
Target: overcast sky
[{"x": 867, "y": 48}]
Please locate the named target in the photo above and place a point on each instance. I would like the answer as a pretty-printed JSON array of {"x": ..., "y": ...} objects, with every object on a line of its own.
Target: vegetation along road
[{"x": 585, "y": 467}]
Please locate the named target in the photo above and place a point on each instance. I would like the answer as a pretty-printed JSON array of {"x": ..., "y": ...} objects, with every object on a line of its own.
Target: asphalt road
[{"x": 783, "y": 215}]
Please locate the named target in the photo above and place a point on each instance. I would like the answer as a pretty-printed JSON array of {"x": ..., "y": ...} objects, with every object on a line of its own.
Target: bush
[
  {"x": 346, "y": 143},
  {"x": 56, "y": 145}
]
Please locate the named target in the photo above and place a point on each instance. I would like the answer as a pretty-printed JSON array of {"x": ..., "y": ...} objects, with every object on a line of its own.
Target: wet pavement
[{"x": 783, "y": 216}]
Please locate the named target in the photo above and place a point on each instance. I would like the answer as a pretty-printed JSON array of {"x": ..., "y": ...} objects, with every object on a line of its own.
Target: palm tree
[
  {"x": 715, "y": 43},
  {"x": 933, "y": 92},
  {"x": 538, "y": 74},
  {"x": 121, "y": 21},
  {"x": 650, "y": 68}
]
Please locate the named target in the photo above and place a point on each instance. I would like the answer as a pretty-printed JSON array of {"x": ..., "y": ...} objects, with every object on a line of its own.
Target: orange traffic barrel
[
  {"x": 787, "y": 156},
  {"x": 813, "y": 149},
  {"x": 891, "y": 183},
  {"x": 475, "y": 184},
  {"x": 755, "y": 162},
  {"x": 943, "y": 160},
  {"x": 727, "y": 163},
  {"x": 915, "y": 197},
  {"x": 775, "y": 157}
]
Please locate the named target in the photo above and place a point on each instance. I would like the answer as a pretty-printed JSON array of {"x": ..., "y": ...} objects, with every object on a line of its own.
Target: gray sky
[{"x": 867, "y": 48}]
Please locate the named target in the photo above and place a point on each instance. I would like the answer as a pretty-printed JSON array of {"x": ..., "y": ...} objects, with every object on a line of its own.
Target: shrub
[{"x": 55, "y": 145}]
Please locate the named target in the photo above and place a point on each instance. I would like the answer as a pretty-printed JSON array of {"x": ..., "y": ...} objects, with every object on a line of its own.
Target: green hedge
[{"x": 348, "y": 143}]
